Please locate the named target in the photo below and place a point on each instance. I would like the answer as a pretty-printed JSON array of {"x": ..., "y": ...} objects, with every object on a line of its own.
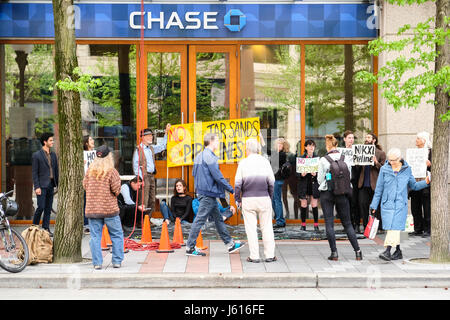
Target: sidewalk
[{"x": 301, "y": 263}]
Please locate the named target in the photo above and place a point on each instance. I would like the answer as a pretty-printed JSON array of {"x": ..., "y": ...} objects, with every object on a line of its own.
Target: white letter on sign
[
  {"x": 206, "y": 19},
  {"x": 174, "y": 20},
  {"x": 189, "y": 18},
  {"x": 151, "y": 20},
  {"x": 132, "y": 24}
]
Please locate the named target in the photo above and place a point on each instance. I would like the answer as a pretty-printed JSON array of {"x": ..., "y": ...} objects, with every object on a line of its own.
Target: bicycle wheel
[{"x": 14, "y": 253}]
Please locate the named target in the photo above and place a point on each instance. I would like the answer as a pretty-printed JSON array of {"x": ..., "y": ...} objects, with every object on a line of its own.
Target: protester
[
  {"x": 368, "y": 178},
  {"x": 349, "y": 139},
  {"x": 129, "y": 193},
  {"x": 421, "y": 200},
  {"x": 45, "y": 175},
  {"x": 282, "y": 150},
  {"x": 102, "y": 185},
  {"x": 144, "y": 164},
  {"x": 308, "y": 188},
  {"x": 328, "y": 200},
  {"x": 88, "y": 146},
  {"x": 209, "y": 185},
  {"x": 392, "y": 193},
  {"x": 180, "y": 204},
  {"x": 254, "y": 185}
]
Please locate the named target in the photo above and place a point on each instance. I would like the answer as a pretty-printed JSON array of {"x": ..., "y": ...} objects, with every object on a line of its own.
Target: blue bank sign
[{"x": 201, "y": 20}]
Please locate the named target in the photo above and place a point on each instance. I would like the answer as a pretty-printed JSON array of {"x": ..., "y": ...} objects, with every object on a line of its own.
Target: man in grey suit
[{"x": 45, "y": 178}]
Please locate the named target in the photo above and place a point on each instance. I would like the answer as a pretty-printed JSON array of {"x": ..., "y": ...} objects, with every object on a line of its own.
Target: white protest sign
[
  {"x": 307, "y": 165},
  {"x": 363, "y": 154},
  {"x": 348, "y": 153},
  {"x": 417, "y": 159},
  {"x": 89, "y": 157}
]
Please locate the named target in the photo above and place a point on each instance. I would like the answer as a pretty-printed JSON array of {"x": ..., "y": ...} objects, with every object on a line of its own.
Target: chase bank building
[{"x": 292, "y": 64}]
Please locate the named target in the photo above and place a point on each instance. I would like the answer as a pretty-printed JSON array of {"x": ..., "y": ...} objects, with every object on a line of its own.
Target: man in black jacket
[{"x": 45, "y": 179}]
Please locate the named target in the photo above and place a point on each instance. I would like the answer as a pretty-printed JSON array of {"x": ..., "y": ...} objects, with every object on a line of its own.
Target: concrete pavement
[{"x": 300, "y": 264}]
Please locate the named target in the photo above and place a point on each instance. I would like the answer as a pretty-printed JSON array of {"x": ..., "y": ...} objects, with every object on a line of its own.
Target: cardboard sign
[
  {"x": 348, "y": 153},
  {"x": 89, "y": 157},
  {"x": 307, "y": 165},
  {"x": 363, "y": 154},
  {"x": 185, "y": 141},
  {"x": 417, "y": 159}
]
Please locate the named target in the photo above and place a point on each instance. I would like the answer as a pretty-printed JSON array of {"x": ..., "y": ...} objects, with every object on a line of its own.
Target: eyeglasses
[{"x": 394, "y": 160}]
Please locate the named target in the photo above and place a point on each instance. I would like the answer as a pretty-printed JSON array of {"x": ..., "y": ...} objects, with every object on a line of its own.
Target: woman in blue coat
[{"x": 393, "y": 182}]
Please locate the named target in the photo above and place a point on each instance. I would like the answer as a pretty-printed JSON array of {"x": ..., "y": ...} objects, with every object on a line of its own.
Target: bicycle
[{"x": 14, "y": 252}]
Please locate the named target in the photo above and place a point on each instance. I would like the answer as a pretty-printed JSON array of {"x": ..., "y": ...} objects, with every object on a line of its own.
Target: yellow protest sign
[{"x": 185, "y": 141}]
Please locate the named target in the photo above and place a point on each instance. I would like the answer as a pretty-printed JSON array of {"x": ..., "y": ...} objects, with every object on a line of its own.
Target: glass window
[
  {"x": 270, "y": 90},
  {"x": 109, "y": 111},
  {"x": 334, "y": 100},
  {"x": 29, "y": 110},
  {"x": 213, "y": 86}
]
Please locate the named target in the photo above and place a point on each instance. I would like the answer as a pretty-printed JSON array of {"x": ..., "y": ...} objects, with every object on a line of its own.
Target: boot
[
  {"x": 358, "y": 255},
  {"x": 386, "y": 255},
  {"x": 333, "y": 256},
  {"x": 303, "y": 228},
  {"x": 397, "y": 255}
]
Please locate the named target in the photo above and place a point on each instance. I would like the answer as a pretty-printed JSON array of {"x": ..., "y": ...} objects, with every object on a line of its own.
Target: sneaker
[
  {"x": 97, "y": 267},
  {"x": 236, "y": 246},
  {"x": 116, "y": 265},
  {"x": 194, "y": 252},
  {"x": 87, "y": 231}
]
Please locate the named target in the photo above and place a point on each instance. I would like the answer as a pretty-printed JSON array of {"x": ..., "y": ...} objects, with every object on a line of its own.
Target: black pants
[
  {"x": 44, "y": 204},
  {"x": 328, "y": 201},
  {"x": 127, "y": 214},
  {"x": 365, "y": 196},
  {"x": 354, "y": 207},
  {"x": 421, "y": 210}
]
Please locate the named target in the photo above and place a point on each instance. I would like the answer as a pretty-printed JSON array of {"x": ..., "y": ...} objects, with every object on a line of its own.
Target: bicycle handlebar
[{"x": 6, "y": 195}]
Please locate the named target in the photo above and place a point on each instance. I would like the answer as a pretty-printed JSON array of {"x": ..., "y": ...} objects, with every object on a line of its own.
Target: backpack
[
  {"x": 340, "y": 176},
  {"x": 40, "y": 245}
]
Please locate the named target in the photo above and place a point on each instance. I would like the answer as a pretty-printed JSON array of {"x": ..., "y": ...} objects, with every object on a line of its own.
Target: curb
[{"x": 223, "y": 280}]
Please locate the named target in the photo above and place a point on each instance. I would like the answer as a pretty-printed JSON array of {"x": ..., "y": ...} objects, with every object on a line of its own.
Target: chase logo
[{"x": 235, "y": 20}]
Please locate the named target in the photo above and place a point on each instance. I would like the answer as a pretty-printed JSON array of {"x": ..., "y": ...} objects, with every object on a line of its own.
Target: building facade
[{"x": 290, "y": 63}]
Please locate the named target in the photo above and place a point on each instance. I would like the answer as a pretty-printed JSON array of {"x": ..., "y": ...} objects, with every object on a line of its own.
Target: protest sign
[
  {"x": 307, "y": 165},
  {"x": 89, "y": 157},
  {"x": 185, "y": 141},
  {"x": 348, "y": 153},
  {"x": 363, "y": 154},
  {"x": 417, "y": 159}
]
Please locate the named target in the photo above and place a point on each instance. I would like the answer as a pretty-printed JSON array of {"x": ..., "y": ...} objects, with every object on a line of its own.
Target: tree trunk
[
  {"x": 440, "y": 217},
  {"x": 69, "y": 220}
]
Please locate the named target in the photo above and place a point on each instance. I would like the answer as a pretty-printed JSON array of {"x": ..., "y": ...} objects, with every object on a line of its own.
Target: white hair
[
  {"x": 425, "y": 136},
  {"x": 396, "y": 152},
  {"x": 252, "y": 146}
]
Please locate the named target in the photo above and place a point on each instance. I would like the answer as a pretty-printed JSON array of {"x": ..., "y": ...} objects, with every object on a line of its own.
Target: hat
[
  {"x": 146, "y": 132},
  {"x": 102, "y": 151}
]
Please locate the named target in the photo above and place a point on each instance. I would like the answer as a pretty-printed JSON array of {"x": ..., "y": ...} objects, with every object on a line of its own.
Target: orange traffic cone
[
  {"x": 103, "y": 243},
  {"x": 164, "y": 242},
  {"x": 146, "y": 231},
  {"x": 178, "y": 233},
  {"x": 200, "y": 244},
  {"x": 107, "y": 237}
]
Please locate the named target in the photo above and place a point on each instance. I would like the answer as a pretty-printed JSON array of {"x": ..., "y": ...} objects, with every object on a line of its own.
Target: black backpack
[
  {"x": 286, "y": 170},
  {"x": 340, "y": 177}
]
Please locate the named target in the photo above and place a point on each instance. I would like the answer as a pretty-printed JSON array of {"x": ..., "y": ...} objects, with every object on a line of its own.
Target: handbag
[{"x": 372, "y": 227}]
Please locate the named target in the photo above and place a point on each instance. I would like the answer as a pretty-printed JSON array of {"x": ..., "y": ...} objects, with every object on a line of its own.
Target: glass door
[
  {"x": 213, "y": 83},
  {"x": 163, "y": 101}
]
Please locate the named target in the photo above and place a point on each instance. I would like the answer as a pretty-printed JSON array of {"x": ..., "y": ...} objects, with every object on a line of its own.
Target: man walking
[
  {"x": 209, "y": 185},
  {"x": 45, "y": 178},
  {"x": 254, "y": 185},
  {"x": 144, "y": 164}
]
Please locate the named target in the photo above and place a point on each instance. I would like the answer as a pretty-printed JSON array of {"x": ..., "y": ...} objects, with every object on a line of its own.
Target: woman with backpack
[
  {"x": 308, "y": 187},
  {"x": 334, "y": 185},
  {"x": 102, "y": 185}
]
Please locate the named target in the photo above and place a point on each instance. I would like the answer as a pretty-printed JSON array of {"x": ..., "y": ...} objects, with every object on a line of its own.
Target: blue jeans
[
  {"x": 208, "y": 207},
  {"x": 116, "y": 234},
  {"x": 277, "y": 204},
  {"x": 167, "y": 213},
  {"x": 44, "y": 204}
]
